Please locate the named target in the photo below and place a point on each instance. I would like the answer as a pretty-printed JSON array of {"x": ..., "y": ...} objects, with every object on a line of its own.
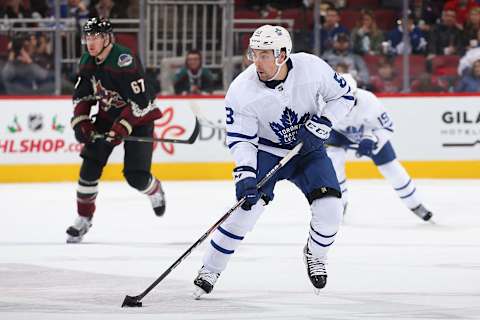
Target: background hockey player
[
  {"x": 270, "y": 107},
  {"x": 112, "y": 77},
  {"x": 368, "y": 129}
]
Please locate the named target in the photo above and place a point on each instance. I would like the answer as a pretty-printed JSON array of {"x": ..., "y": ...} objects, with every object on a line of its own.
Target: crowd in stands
[
  {"x": 364, "y": 37},
  {"x": 26, "y": 58}
]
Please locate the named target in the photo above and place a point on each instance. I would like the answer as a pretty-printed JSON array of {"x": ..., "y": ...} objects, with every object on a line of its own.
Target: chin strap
[
  {"x": 104, "y": 47},
  {"x": 279, "y": 67}
]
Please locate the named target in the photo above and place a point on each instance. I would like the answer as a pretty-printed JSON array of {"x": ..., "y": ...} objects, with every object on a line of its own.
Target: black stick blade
[{"x": 130, "y": 301}]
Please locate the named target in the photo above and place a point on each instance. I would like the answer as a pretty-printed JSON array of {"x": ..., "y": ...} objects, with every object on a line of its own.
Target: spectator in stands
[
  {"x": 445, "y": 37},
  {"x": 339, "y": 4},
  {"x": 418, "y": 43},
  {"x": 108, "y": 9},
  {"x": 461, "y": 8},
  {"x": 386, "y": 80},
  {"x": 472, "y": 55},
  {"x": 472, "y": 26},
  {"x": 42, "y": 51},
  {"x": 470, "y": 81},
  {"x": 23, "y": 76},
  {"x": 133, "y": 11},
  {"x": 277, "y": 4},
  {"x": 330, "y": 28},
  {"x": 430, "y": 12},
  {"x": 428, "y": 83},
  {"x": 366, "y": 37},
  {"x": 341, "y": 54},
  {"x": 392, "y": 4},
  {"x": 40, "y": 7},
  {"x": 78, "y": 9},
  {"x": 15, "y": 9},
  {"x": 193, "y": 78}
]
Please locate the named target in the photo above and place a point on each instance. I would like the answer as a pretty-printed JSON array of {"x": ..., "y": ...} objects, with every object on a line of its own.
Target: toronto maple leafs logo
[
  {"x": 354, "y": 133},
  {"x": 286, "y": 130},
  {"x": 107, "y": 98}
]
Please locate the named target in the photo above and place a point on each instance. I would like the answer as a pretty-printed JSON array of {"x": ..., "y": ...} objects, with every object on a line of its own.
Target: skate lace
[
  {"x": 208, "y": 276},
  {"x": 316, "y": 265},
  {"x": 158, "y": 198}
]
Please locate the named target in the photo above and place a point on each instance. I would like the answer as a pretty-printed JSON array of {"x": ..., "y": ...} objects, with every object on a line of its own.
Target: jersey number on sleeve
[
  {"x": 340, "y": 80},
  {"x": 229, "y": 115},
  {"x": 138, "y": 86},
  {"x": 384, "y": 120}
]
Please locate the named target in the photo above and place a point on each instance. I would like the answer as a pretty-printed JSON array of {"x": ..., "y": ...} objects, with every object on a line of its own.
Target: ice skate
[
  {"x": 423, "y": 213},
  {"x": 315, "y": 269},
  {"x": 204, "y": 282},
  {"x": 158, "y": 200},
  {"x": 79, "y": 228}
]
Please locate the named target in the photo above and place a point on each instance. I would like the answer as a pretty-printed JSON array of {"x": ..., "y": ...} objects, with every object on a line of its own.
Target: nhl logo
[{"x": 35, "y": 122}]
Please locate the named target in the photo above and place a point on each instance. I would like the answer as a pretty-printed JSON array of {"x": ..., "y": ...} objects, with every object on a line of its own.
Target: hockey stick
[
  {"x": 135, "y": 301},
  {"x": 190, "y": 140}
]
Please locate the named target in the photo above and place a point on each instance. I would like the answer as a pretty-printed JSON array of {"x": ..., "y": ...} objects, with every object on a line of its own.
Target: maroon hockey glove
[
  {"x": 83, "y": 128},
  {"x": 141, "y": 117},
  {"x": 118, "y": 131}
]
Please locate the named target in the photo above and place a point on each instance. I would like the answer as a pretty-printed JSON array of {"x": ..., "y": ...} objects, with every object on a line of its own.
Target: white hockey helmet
[
  {"x": 352, "y": 83},
  {"x": 269, "y": 37}
]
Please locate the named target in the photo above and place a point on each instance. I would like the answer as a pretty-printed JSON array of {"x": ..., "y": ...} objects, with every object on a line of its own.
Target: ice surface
[{"x": 386, "y": 262}]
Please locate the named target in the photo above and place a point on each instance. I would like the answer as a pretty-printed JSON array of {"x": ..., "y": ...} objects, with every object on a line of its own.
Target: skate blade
[
  {"x": 198, "y": 293},
  {"x": 74, "y": 239},
  {"x": 316, "y": 291}
]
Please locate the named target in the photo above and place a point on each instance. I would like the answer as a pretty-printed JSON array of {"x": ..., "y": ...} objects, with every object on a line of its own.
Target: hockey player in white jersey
[
  {"x": 368, "y": 129},
  {"x": 280, "y": 100}
]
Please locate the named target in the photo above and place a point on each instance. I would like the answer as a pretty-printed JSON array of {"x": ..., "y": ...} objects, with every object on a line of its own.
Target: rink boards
[{"x": 435, "y": 137}]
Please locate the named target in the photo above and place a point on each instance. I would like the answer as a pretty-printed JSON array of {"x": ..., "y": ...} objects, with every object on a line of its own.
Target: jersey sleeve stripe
[
  {"x": 230, "y": 146},
  {"x": 240, "y": 135},
  {"x": 269, "y": 143}
]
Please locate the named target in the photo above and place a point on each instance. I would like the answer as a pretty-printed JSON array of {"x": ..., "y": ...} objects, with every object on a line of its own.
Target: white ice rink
[{"x": 385, "y": 264}]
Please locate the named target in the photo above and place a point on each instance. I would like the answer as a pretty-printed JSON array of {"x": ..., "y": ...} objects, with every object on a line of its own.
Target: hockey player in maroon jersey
[{"x": 113, "y": 78}]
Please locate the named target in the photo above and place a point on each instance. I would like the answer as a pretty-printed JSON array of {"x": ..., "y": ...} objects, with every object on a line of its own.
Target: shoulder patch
[{"x": 125, "y": 60}]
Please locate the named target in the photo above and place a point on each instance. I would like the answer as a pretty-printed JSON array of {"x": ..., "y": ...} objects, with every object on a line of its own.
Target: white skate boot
[
  {"x": 158, "y": 200},
  {"x": 204, "y": 282},
  {"x": 79, "y": 228},
  {"x": 315, "y": 269}
]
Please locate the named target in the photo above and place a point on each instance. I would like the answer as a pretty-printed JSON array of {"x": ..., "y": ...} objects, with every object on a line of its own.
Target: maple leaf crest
[
  {"x": 357, "y": 133},
  {"x": 286, "y": 130}
]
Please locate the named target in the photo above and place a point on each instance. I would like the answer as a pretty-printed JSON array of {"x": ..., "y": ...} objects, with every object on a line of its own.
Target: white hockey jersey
[
  {"x": 258, "y": 117},
  {"x": 366, "y": 119}
]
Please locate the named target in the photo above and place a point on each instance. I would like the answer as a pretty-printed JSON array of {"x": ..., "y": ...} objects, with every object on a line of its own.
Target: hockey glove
[
  {"x": 314, "y": 133},
  {"x": 366, "y": 147},
  {"x": 118, "y": 131},
  {"x": 246, "y": 186},
  {"x": 83, "y": 127}
]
